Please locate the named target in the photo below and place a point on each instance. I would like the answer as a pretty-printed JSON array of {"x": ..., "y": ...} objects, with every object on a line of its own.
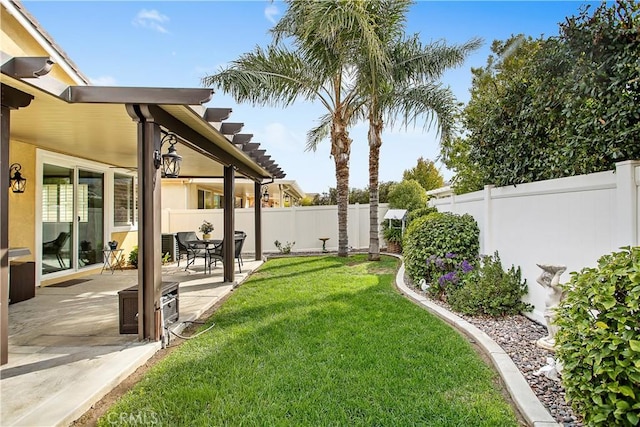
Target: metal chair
[
  {"x": 217, "y": 254},
  {"x": 239, "y": 238},
  {"x": 185, "y": 248}
]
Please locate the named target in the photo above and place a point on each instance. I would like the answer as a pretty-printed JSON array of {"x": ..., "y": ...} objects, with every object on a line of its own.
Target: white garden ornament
[{"x": 550, "y": 279}]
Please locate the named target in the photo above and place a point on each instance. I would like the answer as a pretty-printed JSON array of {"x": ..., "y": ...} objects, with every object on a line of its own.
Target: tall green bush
[
  {"x": 555, "y": 107},
  {"x": 439, "y": 234},
  {"x": 598, "y": 340}
]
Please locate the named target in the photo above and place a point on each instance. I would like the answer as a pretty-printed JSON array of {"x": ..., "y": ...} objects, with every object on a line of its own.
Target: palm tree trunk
[
  {"x": 375, "y": 142},
  {"x": 341, "y": 150},
  {"x": 342, "y": 179}
]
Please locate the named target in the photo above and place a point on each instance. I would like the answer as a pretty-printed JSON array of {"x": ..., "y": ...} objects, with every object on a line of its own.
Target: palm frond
[
  {"x": 414, "y": 61},
  {"x": 274, "y": 77},
  {"x": 319, "y": 133},
  {"x": 432, "y": 103}
]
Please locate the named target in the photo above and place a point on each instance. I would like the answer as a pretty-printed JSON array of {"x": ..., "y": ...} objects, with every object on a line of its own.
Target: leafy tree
[
  {"x": 326, "y": 199},
  {"x": 307, "y": 201},
  {"x": 468, "y": 175},
  {"x": 383, "y": 191},
  {"x": 549, "y": 108},
  {"x": 324, "y": 37},
  {"x": 408, "y": 195},
  {"x": 426, "y": 173},
  {"x": 357, "y": 195}
]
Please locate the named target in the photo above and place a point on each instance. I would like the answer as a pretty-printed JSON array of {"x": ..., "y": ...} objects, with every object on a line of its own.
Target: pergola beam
[
  {"x": 216, "y": 115},
  {"x": 250, "y": 146},
  {"x": 242, "y": 138},
  {"x": 190, "y": 137},
  {"x": 27, "y": 66},
  {"x": 136, "y": 95},
  {"x": 231, "y": 128}
]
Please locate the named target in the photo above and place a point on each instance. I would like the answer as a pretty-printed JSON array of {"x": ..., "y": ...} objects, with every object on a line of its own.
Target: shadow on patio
[{"x": 65, "y": 349}]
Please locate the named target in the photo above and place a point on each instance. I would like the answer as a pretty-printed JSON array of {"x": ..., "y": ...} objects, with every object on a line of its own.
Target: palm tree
[
  {"x": 318, "y": 67},
  {"x": 408, "y": 91}
]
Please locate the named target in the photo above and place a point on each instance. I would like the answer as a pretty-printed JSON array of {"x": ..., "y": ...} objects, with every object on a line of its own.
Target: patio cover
[
  {"x": 82, "y": 118},
  {"x": 122, "y": 126}
]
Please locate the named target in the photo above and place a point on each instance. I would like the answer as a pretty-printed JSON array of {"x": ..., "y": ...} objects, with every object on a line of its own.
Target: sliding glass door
[
  {"x": 90, "y": 197},
  {"x": 72, "y": 218}
]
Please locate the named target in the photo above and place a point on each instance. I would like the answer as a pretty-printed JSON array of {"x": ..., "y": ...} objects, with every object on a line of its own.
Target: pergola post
[
  {"x": 4, "y": 237},
  {"x": 229, "y": 225},
  {"x": 149, "y": 234},
  {"x": 258, "y": 219},
  {"x": 11, "y": 99}
]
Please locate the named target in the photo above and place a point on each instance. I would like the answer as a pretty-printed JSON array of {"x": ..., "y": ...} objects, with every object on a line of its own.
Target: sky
[{"x": 177, "y": 43}]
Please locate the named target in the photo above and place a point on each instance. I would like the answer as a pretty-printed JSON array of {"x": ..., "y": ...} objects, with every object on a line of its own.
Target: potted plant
[
  {"x": 393, "y": 237},
  {"x": 206, "y": 228}
]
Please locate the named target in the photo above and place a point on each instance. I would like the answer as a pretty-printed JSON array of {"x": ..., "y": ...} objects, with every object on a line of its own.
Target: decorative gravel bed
[{"x": 517, "y": 335}]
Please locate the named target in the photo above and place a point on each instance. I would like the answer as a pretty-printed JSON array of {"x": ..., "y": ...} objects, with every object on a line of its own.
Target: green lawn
[{"x": 319, "y": 341}]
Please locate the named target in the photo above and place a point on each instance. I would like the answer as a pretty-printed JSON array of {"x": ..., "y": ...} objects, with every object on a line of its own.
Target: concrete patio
[{"x": 65, "y": 349}]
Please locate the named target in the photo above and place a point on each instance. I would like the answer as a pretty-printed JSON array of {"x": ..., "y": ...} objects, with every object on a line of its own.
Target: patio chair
[
  {"x": 239, "y": 238},
  {"x": 217, "y": 254},
  {"x": 184, "y": 248},
  {"x": 54, "y": 247}
]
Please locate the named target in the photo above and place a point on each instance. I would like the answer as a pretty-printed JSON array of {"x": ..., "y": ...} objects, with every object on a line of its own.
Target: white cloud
[
  {"x": 151, "y": 19},
  {"x": 103, "y": 81},
  {"x": 270, "y": 12}
]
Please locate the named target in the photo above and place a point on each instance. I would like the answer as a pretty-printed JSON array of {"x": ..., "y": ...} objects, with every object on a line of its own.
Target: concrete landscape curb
[{"x": 524, "y": 398}]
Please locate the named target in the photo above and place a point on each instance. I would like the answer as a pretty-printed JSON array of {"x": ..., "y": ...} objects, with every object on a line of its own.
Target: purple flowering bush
[
  {"x": 489, "y": 289},
  {"x": 447, "y": 273}
]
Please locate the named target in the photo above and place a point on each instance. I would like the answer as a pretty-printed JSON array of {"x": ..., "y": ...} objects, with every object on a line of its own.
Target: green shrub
[
  {"x": 598, "y": 340},
  {"x": 438, "y": 234},
  {"x": 420, "y": 212},
  {"x": 133, "y": 257},
  {"x": 490, "y": 290}
]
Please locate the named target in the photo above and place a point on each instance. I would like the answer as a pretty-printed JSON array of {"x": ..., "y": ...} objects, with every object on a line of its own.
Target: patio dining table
[{"x": 208, "y": 245}]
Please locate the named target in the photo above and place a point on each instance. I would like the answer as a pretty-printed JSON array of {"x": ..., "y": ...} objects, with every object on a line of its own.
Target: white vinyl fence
[
  {"x": 302, "y": 225},
  {"x": 570, "y": 221}
]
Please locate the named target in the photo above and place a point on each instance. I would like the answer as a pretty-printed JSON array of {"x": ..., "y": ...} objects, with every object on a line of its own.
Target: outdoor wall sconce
[
  {"x": 16, "y": 182},
  {"x": 287, "y": 198},
  {"x": 265, "y": 195},
  {"x": 170, "y": 161}
]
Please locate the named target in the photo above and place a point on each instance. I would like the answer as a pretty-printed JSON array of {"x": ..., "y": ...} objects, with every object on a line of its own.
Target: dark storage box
[
  {"x": 128, "y": 304},
  {"x": 22, "y": 281}
]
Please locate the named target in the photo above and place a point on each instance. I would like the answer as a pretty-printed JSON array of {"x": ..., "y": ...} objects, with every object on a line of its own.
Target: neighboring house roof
[
  {"x": 445, "y": 191},
  {"x": 288, "y": 186}
]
